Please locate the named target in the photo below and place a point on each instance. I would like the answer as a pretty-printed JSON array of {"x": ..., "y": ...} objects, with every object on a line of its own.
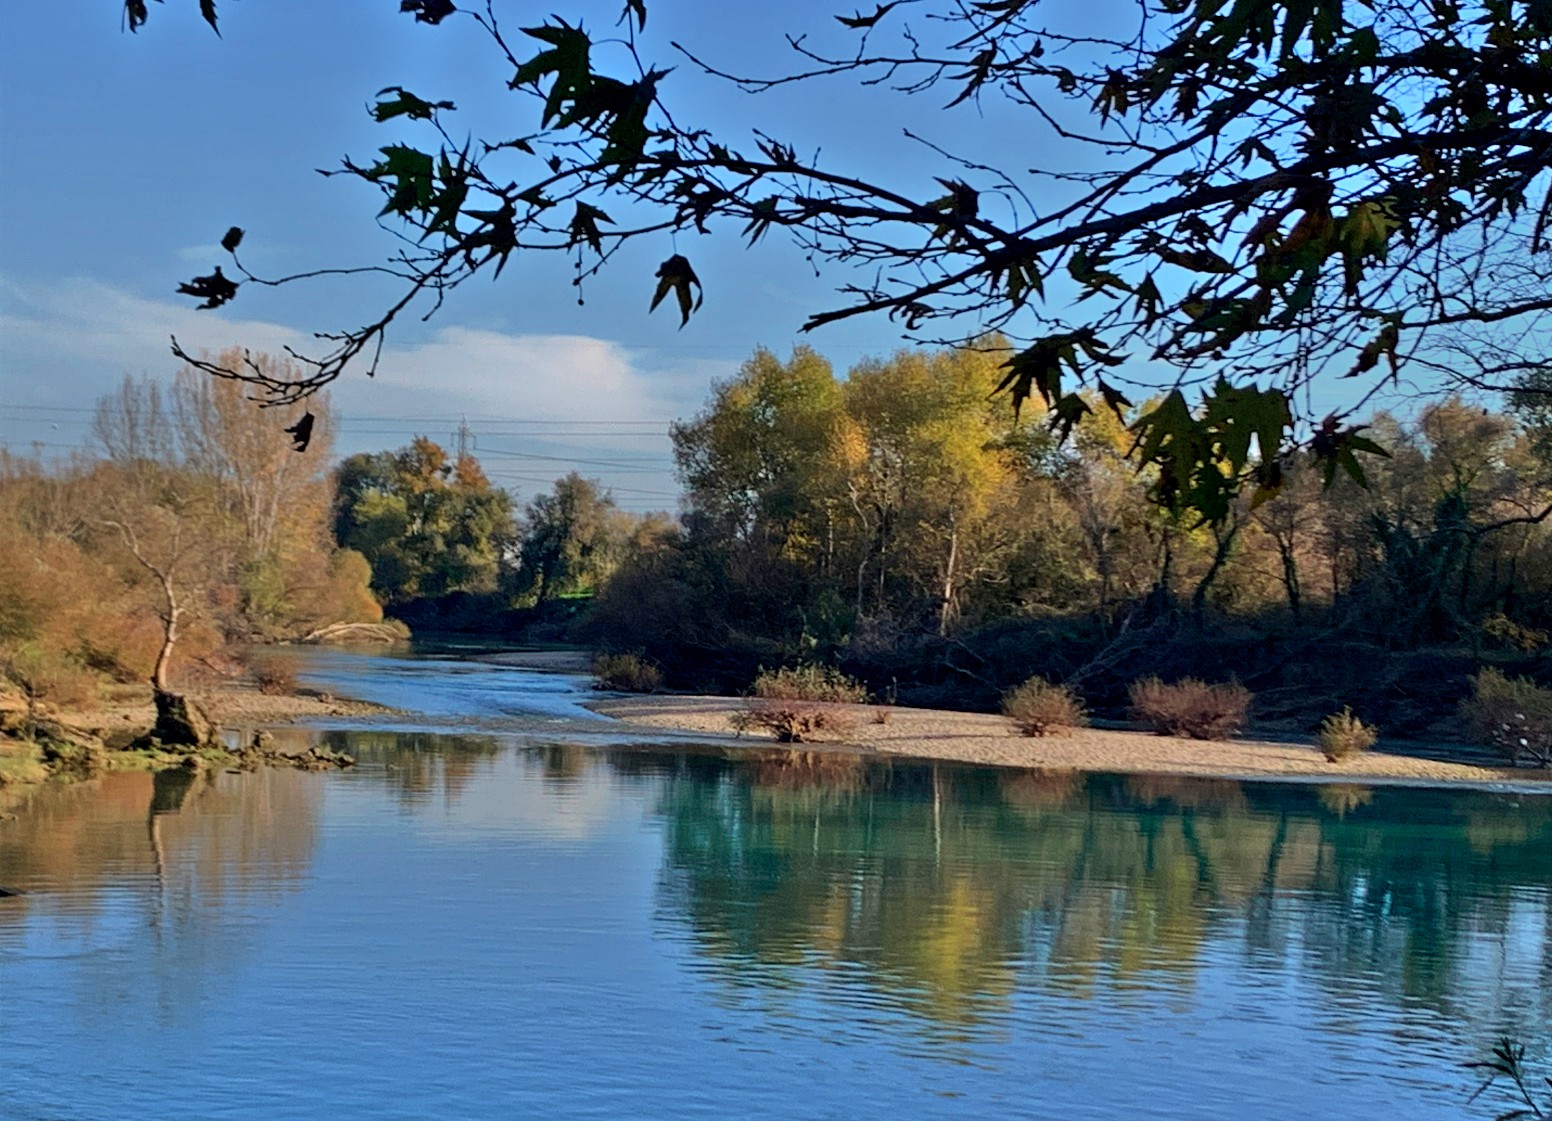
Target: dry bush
[
  {"x": 794, "y": 721},
  {"x": 1190, "y": 707},
  {"x": 47, "y": 676},
  {"x": 629, "y": 673},
  {"x": 809, "y": 683},
  {"x": 1512, "y": 714},
  {"x": 1038, "y": 708},
  {"x": 1342, "y": 734},
  {"x": 332, "y": 589},
  {"x": 274, "y": 678}
]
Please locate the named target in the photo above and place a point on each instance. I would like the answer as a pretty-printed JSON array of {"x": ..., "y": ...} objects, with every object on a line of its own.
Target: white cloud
[
  {"x": 63, "y": 345},
  {"x": 70, "y": 342}
]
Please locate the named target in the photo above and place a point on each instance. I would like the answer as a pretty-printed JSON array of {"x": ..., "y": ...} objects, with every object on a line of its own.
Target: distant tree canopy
[
  {"x": 428, "y": 523},
  {"x": 1252, "y": 196},
  {"x": 570, "y": 540}
]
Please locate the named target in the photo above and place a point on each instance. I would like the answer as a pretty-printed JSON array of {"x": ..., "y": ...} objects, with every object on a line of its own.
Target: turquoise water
[{"x": 471, "y": 926}]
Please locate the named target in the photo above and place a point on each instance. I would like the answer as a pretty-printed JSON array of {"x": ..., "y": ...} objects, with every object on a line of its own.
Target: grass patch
[
  {"x": 809, "y": 683},
  {"x": 20, "y": 762}
]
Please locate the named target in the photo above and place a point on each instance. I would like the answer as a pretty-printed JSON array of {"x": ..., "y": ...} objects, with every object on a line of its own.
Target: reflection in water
[
  {"x": 948, "y": 888},
  {"x": 126, "y": 873},
  {"x": 484, "y": 918}
]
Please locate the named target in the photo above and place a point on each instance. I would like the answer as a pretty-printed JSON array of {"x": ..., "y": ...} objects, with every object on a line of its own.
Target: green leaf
[
  {"x": 414, "y": 181},
  {"x": 569, "y": 60},
  {"x": 1068, "y": 410},
  {"x": 428, "y": 11},
  {"x": 1169, "y": 437},
  {"x": 763, "y": 213},
  {"x": 1363, "y": 235},
  {"x": 860, "y": 22},
  {"x": 1335, "y": 448},
  {"x": 1114, "y": 399},
  {"x": 1090, "y": 272}
]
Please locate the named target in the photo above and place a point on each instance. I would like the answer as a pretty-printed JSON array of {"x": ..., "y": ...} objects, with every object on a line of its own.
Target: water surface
[{"x": 472, "y": 926}]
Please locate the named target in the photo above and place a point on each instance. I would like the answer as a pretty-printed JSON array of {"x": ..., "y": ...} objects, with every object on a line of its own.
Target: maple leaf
[
  {"x": 232, "y": 239},
  {"x": 428, "y": 11},
  {"x": 215, "y": 289},
  {"x": 859, "y": 21},
  {"x": 675, "y": 275}
]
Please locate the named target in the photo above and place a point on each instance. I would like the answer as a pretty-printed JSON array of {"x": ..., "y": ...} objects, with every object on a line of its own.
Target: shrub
[
  {"x": 1190, "y": 707},
  {"x": 1038, "y": 708},
  {"x": 1343, "y": 734},
  {"x": 794, "y": 721},
  {"x": 629, "y": 673},
  {"x": 1512, "y": 714},
  {"x": 274, "y": 679},
  {"x": 809, "y": 683},
  {"x": 48, "y": 676},
  {"x": 1506, "y": 632}
]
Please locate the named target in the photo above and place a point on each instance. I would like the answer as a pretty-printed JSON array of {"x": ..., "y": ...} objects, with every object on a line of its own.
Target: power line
[{"x": 430, "y": 418}]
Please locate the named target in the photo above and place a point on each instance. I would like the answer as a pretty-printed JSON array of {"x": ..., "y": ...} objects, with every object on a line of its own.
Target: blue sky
[{"x": 123, "y": 159}]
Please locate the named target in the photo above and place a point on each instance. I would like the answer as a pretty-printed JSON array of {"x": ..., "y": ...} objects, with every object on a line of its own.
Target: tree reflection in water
[{"x": 947, "y": 889}]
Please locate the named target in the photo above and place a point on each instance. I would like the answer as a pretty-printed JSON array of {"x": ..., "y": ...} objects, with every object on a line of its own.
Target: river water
[{"x": 481, "y": 922}]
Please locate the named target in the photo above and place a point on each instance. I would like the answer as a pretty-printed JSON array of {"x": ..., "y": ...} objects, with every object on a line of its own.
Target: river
[{"x": 507, "y": 911}]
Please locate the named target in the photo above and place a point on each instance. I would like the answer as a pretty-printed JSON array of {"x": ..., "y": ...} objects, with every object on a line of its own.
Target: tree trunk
[
  {"x": 169, "y": 635},
  {"x": 182, "y": 723},
  {"x": 1291, "y": 580},
  {"x": 1220, "y": 559},
  {"x": 946, "y": 607}
]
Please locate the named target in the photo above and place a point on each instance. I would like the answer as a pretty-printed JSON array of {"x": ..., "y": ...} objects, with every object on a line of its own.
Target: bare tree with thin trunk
[{"x": 178, "y": 721}]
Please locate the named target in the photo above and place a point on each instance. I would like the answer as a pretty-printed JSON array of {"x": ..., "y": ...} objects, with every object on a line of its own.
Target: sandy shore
[
  {"x": 128, "y": 709},
  {"x": 981, "y": 738}
]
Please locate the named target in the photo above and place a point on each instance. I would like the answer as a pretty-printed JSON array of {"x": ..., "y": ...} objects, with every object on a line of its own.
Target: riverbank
[
  {"x": 969, "y": 737},
  {"x": 126, "y": 711}
]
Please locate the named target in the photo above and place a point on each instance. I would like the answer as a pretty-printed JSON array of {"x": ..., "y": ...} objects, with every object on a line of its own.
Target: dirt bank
[
  {"x": 981, "y": 738},
  {"x": 126, "y": 711}
]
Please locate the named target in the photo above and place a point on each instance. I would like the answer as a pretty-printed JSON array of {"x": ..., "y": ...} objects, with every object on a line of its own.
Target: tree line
[
  {"x": 899, "y": 521},
  {"x": 895, "y": 520}
]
